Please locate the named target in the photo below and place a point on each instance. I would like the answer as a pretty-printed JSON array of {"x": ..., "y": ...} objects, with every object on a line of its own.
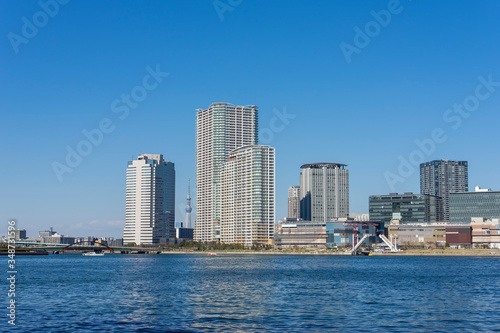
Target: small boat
[
  {"x": 93, "y": 254},
  {"x": 212, "y": 254}
]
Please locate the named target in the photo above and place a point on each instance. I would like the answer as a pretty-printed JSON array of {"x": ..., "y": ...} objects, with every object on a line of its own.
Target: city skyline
[{"x": 393, "y": 103}]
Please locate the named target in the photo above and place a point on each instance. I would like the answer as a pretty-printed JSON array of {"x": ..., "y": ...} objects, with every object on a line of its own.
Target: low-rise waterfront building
[
  {"x": 431, "y": 235},
  {"x": 459, "y": 236},
  {"x": 295, "y": 233},
  {"x": 485, "y": 232},
  {"x": 418, "y": 234}
]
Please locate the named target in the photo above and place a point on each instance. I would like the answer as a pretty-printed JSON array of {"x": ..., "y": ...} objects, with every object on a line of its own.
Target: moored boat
[{"x": 93, "y": 254}]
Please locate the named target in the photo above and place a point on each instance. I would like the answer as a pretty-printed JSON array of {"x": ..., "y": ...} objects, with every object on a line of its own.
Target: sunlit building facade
[
  {"x": 220, "y": 129},
  {"x": 150, "y": 200},
  {"x": 247, "y": 196}
]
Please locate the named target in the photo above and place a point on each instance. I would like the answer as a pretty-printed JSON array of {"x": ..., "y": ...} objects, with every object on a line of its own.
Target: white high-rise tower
[
  {"x": 188, "y": 207},
  {"x": 247, "y": 196},
  {"x": 220, "y": 129},
  {"x": 150, "y": 200}
]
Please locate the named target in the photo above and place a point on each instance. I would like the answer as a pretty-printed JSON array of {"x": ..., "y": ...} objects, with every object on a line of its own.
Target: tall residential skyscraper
[
  {"x": 324, "y": 191},
  {"x": 188, "y": 207},
  {"x": 247, "y": 196},
  {"x": 220, "y": 129},
  {"x": 150, "y": 200},
  {"x": 294, "y": 202},
  {"x": 442, "y": 177}
]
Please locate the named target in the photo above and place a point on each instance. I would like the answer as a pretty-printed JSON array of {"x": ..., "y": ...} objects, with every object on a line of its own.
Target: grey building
[
  {"x": 46, "y": 233},
  {"x": 465, "y": 205},
  {"x": 59, "y": 239},
  {"x": 324, "y": 191},
  {"x": 184, "y": 234},
  {"x": 19, "y": 234},
  {"x": 407, "y": 208},
  {"x": 294, "y": 202},
  {"x": 117, "y": 242},
  {"x": 442, "y": 177}
]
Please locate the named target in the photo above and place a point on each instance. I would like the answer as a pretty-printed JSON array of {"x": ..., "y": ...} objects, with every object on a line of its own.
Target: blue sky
[{"x": 365, "y": 110}]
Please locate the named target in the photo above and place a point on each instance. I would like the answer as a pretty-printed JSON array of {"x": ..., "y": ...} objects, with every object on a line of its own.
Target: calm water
[{"x": 197, "y": 293}]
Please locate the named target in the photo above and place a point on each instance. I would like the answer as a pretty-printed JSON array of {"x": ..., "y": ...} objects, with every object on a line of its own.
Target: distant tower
[
  {"x": 294, "y": 202},
  {"x": 324, "y": 191},
  {"x": 188, "y": 208}
]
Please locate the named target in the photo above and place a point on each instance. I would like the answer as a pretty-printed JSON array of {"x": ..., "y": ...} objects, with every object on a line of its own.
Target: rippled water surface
[{"x": 197, "y": 293}]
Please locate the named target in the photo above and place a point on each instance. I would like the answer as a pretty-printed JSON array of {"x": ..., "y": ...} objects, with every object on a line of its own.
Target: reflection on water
[{"x": 193, "y": 293}]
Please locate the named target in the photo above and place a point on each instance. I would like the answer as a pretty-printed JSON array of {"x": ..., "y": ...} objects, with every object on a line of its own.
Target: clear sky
[{"x": 362, "y": 80}]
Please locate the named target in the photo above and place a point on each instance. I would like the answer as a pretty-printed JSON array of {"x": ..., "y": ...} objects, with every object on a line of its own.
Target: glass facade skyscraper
[
  {"x": 442, "y": 177},
  {"x": 407, "y": 207},
  {"x": 465, "y": 205}
]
